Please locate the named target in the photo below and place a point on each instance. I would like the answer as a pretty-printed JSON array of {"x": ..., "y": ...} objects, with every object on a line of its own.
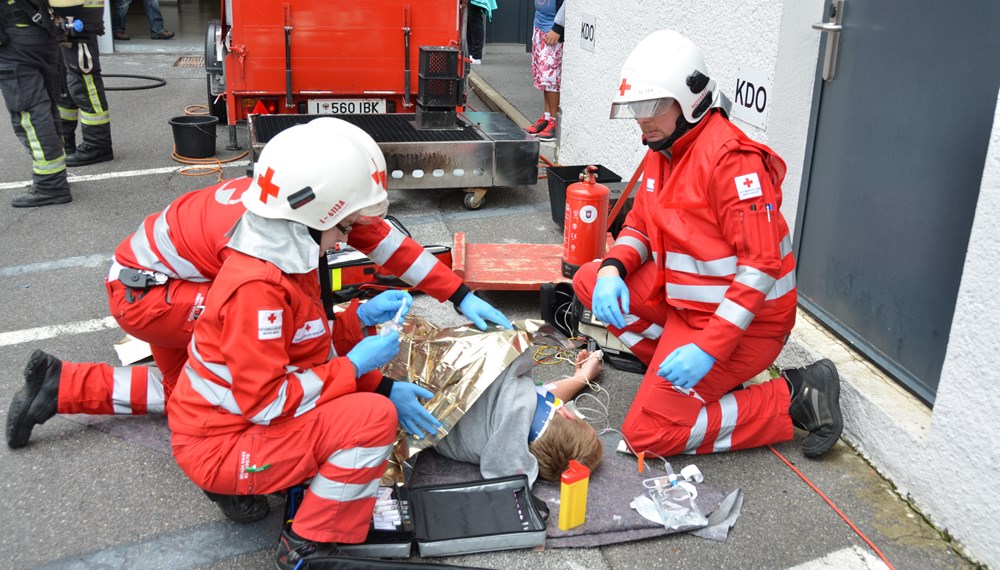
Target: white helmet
[
  {"x": 663, "y": 68},
  {"x": 317, "y": 174}
]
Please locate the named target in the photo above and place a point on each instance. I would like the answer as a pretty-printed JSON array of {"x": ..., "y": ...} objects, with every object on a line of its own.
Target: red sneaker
[
  {"x": 548, "y": 133},
  {"x": 539, "y": 125}
]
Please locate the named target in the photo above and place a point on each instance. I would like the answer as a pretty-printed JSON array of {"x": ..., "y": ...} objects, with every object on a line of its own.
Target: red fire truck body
[
  {"x": 279, "y": 63},
  {"x": 330, "y": 56}
]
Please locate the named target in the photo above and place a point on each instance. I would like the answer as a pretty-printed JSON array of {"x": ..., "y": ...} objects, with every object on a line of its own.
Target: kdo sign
[
  {"x": 751, "y": 97},
  {"x": 588, "y": 29}
]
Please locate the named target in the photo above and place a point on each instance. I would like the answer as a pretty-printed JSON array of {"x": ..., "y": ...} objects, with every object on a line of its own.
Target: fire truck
[{"x": 396, "y": 68}]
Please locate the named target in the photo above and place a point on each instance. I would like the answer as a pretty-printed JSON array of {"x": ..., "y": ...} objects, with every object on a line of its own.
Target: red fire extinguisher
[{"x": 586, "y": 222}]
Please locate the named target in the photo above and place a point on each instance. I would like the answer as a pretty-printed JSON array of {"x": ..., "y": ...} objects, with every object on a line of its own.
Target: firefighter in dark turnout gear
[
  {"x": 83, "y": 98},
  {"x": 29, "y": 80}
]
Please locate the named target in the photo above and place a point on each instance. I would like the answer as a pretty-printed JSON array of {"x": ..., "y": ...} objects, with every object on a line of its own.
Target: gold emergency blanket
[{"x": 457, "y": 364}]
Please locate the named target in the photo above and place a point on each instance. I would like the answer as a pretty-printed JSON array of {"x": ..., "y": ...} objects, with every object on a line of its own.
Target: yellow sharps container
[{"x": 573, "y": 495}]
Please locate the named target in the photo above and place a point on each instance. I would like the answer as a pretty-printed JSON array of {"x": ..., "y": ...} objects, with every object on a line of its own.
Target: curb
[{"x": 495, "y": 101}]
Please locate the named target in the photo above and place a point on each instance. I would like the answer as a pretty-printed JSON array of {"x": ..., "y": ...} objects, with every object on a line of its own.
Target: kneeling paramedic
[
  {"x": 157, "y": 286},
  {"x": 700, "y": 283},
  {"x": 265, "y": 401}
]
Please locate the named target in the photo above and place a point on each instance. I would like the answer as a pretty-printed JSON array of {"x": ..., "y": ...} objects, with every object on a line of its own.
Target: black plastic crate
[
  {"x": 439, "y": 91},
  {"x": 436, "y": 61},
  {"x": 560, "y": 177}
]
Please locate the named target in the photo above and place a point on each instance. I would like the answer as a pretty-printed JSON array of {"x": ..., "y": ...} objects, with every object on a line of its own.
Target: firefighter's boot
[
  {"x": 815, "y": 405},
  {"x": 36, "y": 401},
  {"x": 293, "y": 549},
  {"x": 88, "y": 154},
  {"x": 243, "y": 509}
]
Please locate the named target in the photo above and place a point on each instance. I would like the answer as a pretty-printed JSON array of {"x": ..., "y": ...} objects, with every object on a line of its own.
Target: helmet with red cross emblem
[
  {"x": 318, "y": 174},
  {"x": 664, "y": 67}
]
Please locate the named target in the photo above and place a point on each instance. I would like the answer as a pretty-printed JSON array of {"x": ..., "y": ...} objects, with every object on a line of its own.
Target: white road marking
[
  {"x": 852, "y": 558},
  {"x": 41, "y": 333},
  {"x": 125, "y": 174}
]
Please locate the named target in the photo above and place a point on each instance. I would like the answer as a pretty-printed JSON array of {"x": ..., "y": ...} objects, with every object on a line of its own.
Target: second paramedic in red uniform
[
  {"x": 700, "y": 284},
  {"x": 270, "y": 395}
]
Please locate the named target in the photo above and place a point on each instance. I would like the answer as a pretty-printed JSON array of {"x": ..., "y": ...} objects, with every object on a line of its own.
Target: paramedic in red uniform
[
  {"x": 168, "y": 264},
  {"x": 265, "y": 401},
  {"x": 700, "y": 283}
]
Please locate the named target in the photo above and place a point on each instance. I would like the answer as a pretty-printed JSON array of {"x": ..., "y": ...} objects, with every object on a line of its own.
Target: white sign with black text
[
  {"x": 588, "y": 27},
  {"x": 751, "y": 96}
]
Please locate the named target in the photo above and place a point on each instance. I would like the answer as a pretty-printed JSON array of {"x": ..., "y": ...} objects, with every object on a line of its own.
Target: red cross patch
[
  {"x": 268, "y": 324},
  {"x": 748, "y": 186}
]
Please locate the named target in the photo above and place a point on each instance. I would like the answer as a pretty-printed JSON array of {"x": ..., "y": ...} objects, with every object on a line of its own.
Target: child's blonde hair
[{"x": 566, "y": 439}]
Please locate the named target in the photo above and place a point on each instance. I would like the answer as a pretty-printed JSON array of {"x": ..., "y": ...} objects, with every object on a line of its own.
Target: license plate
[{"x": 346, "y": 106}]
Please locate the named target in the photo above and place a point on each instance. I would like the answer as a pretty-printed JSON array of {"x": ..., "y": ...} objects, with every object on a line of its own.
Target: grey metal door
[
  {"x": 511, "y": 22},
  {"x": 897, "y": 149}
]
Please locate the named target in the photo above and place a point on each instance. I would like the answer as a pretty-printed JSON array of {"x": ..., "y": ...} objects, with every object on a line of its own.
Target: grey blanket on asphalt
[{"x": 612, "y": 487}]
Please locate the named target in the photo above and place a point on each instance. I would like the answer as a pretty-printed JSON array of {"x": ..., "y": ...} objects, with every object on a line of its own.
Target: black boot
[
  {"x": 34, "y": 198},
  {"x": 816, "y": 406},
  {"x": 88, "y": 154},
  {"x": 293, "y": 549},
  {"x": 241, "y": 508},
  {"x": 36, "y": 401}
]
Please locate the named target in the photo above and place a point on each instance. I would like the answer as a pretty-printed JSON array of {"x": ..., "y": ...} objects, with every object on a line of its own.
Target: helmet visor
[{"x": 641, "y": 109}]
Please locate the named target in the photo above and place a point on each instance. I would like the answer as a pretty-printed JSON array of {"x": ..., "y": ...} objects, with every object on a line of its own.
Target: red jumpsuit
[
  {"x": 186, "y": 242},
  {"x": 707, "y": 259},
  {"x": 261, "y": 406}
]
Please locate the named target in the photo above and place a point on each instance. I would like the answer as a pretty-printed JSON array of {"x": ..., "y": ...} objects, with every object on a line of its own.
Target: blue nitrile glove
[
  {"x": 608, "y": 292},
  {"x": 414, "y": 418},
  {"x": 479, "y": 311},
  {"x": 686, "y": 366},
  {"x": 383, "y": 307},
  {"x": 374, "y": 351}
]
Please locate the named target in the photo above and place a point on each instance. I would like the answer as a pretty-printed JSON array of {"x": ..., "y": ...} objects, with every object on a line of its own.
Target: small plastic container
[{"x": 573, "y": 495}]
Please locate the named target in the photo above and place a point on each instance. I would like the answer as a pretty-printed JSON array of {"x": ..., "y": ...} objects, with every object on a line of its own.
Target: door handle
[{"x": 833, "y": 28}]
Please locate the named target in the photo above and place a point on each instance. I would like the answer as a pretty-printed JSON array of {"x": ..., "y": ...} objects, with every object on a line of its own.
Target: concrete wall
[{"x": 945, "y": 460}]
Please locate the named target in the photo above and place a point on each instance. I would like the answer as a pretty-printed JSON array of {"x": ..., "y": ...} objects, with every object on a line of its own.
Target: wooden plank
[
  {"x": 512, "y": 267},
  {"x": 458, "y": 255}
]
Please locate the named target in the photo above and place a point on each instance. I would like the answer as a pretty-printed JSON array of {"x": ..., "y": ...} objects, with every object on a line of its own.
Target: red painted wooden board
[{"x": 507, "y": 266}]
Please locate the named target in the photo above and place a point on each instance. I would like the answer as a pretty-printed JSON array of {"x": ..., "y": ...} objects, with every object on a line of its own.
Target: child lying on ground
[{"x": 517, "y": 427}]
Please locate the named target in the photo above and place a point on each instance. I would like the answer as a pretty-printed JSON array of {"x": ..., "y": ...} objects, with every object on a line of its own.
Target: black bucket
[{"x": 194, "y": 135}]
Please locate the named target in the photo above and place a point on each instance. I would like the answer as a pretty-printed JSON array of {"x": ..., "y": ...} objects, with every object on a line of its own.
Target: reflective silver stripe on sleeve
[
  {"x": 359, "y": 457},
  {"x": 161, "y": 233},
  {"x": 734, "y": 313},
  {"x": 635, "y": 244},
  {"x": 730, "y": 413},
  {"x": 754, "y": 278},
  {"x": 629, "y": 339},
  {"x": 713, "y": 268},
  {"x": 388, "y": 246},
  {"x": 786, "y": 245},
  {"x": 419, "y": 269},
  {"x": 121, "y": 392},
  {"x": 220, "y": 370},
  {"x": 213, "y": 393},
  {"x": 274, "y": 409},
  {"x": 155, "y": 401},
  {"x": 697, "y": 432},
  {"x": 312, "y": 387},
  {"x": 782, "y": 286},
  {"x": 342, "y": 492},
  {"x": 699, "y": 293}
]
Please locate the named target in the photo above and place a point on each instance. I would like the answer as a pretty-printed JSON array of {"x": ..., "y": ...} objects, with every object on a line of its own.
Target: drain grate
[{"x": 190, "y": 61}]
